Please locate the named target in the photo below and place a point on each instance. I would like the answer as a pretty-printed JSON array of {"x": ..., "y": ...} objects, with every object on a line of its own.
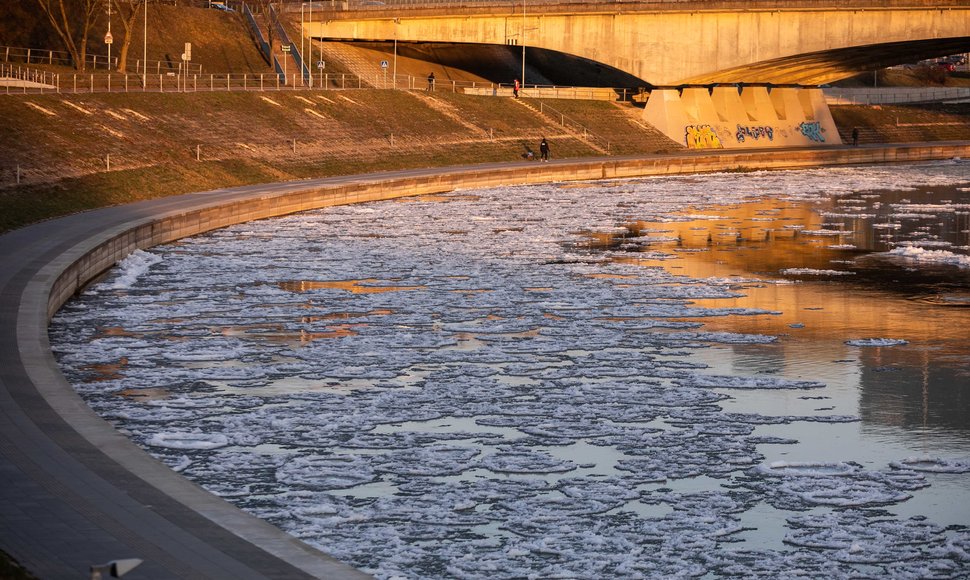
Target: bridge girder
[{"x": 675, "y": 47}]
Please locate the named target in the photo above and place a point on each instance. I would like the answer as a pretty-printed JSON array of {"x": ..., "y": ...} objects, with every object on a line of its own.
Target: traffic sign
[
  {"x": 286, "y": 48},
  {"x": 108, "y": 39},
  {"x": 383, "y": 64},
  {"x": 320, "y": 64}
]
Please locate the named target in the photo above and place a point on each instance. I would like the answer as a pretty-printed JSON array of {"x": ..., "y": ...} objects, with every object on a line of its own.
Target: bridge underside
[{"x": 826, "y": 66}]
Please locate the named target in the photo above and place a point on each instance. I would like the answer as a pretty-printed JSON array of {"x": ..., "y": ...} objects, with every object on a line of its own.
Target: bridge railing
[
  {"x": 894, "y": 95},
  {"x": 541, "y": 5}
]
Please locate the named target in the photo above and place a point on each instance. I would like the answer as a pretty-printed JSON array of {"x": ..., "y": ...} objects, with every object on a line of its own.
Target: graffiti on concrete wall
[
  {"x": 812, "y": 130},
  {"x": 701, "y": 137},
  {"x": 760, "y": 132}
]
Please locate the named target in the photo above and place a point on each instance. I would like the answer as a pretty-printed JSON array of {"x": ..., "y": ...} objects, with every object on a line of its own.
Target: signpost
[
  {"x": 384, "y": 68},
  {"x": 286, "y": 53},
  {"x": 186, "y": 57},
  {"x": 320, "y": 67}
]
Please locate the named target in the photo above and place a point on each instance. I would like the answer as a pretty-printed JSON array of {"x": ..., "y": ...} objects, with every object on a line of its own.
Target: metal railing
[
  {"x": 894, "y": 95},
  {"x": 588, "y": 5},
  {"x": 17, "y": 79},
  {"x": 257, "y": 33},
  {"x": 42, "y": 56}
]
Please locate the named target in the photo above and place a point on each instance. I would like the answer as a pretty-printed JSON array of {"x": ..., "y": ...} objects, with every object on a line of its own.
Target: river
[{"x": 752, "y": 374}]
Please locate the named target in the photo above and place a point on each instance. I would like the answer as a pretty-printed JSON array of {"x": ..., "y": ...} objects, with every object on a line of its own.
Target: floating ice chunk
[
  {"x": 932, "y": 464},
  {"x": 850, "y": 493},
  {"x": 526, "y": 461},
  {"x": 325, "y": 472},
  {"x": 922, "y": 255},
  {"x": 876, "y": 342},
  {"x": 815, "y": 272},
  {"x": 826, "y": 232},
  {"x": 804, "y": 469},
  {"x": 732, "y": 382},
  {"x": 433, "y": 460},
  {"x": 130, "y": 268},
  {"x": 178, "y": 440}
]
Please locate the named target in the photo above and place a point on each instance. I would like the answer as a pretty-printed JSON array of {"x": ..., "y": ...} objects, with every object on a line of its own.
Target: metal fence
[
  {"x": 18, "y": 79},
  {"x": 895, "y": 95},
  {"x": 95, "y": 62}
]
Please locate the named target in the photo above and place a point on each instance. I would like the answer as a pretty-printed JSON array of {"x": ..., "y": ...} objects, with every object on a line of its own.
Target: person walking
[
  {"x": 855, "y": 136},
  {"x": 515, "y": 89},
  {"x": 543, "y": 150},
  {"x": 431, "y": 81}
]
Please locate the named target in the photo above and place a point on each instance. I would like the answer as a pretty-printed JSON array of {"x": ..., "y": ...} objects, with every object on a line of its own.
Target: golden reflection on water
[
  {"x": 148, "y": 394},
  {"x": 276, "y": 333},
  {"x": 363, "y": 286},
  {"x": 923, "y": 384},
  {"x": 763, "y": 239},
  {"x": 107, "y": 371}
]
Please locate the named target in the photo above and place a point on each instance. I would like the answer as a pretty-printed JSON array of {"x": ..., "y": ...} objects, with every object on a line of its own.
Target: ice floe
[{"x": 469, "y": 389}]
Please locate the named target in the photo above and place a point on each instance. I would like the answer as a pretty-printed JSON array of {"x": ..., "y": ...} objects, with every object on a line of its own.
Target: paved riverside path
[{"x": 75, "y": 492}]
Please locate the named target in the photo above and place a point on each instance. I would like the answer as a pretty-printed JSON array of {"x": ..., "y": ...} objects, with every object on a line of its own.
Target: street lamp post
[
  {"x": 302, "y": 37},
  {"x": 107, "y": 37},
  {"x": 523, "y": 45},
  {"x": 310, "y": 47},
  {"x": 144, "y": 57}
]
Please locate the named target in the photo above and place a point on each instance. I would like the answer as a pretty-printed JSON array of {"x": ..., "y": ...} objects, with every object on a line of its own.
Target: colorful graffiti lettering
[
  {"x": 812, "y": 130},
  {"x": 701, "y": 137},
  {"x": 755, "y": 133}
]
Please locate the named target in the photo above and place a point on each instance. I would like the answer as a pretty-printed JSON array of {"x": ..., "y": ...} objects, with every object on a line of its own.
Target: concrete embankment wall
[{"x": 97, "y": 255}]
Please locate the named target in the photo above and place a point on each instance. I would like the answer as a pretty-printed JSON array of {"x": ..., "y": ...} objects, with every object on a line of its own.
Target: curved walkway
[{"x": 75, "y": 492}]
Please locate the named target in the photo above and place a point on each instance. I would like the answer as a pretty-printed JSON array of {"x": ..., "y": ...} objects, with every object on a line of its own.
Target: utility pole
[
  {"x": 523, "y": 45},
  {"x": 107, "y": 37},
  {"x": 144, "y": 58}
]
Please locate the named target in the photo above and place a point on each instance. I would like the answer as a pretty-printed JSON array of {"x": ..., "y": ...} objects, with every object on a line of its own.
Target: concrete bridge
[
  {"x": 713, "y": 66},
  {"x": 806, "y": 42}
]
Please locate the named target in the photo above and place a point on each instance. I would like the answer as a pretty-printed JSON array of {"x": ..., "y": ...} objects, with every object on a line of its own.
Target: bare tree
[
  {"x": 128, "y": 9},
  {"x": 72, "y": 20}
]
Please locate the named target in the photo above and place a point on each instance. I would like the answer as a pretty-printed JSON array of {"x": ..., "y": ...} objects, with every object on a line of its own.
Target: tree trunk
[
  {"x": 129, "y": 13},
  {"x": 57, "y": 15},
  {"x": 63, "y": 16}
]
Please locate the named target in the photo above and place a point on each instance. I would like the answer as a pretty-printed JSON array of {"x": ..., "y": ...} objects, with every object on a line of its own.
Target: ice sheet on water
[
  {"x": 326, "y": 472},
  {"x": 815, "y": 272},
  {"x": 742, "y": 382},
  {"x": 806, "y": 484},
  {"x": 932, "y": 464},
  {"x": 876, "y": 342},
  {"x": 923, "y": 256},
  {"x": 181, "y": 440},
  {"x": 512, "y": 417},
  {"x": 130, "y": 269},
  {"x": 853, "y": 536}
]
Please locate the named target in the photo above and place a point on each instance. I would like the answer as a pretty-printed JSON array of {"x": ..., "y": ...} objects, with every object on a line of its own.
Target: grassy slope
[{"x": 62, "y": 143}]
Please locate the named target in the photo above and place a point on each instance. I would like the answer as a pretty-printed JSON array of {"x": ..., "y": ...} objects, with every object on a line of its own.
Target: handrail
[
  {"x": 63, "y": 58},
  {"x": 257, "y": 33}
]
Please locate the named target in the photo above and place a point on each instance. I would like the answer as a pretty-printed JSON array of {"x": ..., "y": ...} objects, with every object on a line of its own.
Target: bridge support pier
[{"x": 729, "y": 117}]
